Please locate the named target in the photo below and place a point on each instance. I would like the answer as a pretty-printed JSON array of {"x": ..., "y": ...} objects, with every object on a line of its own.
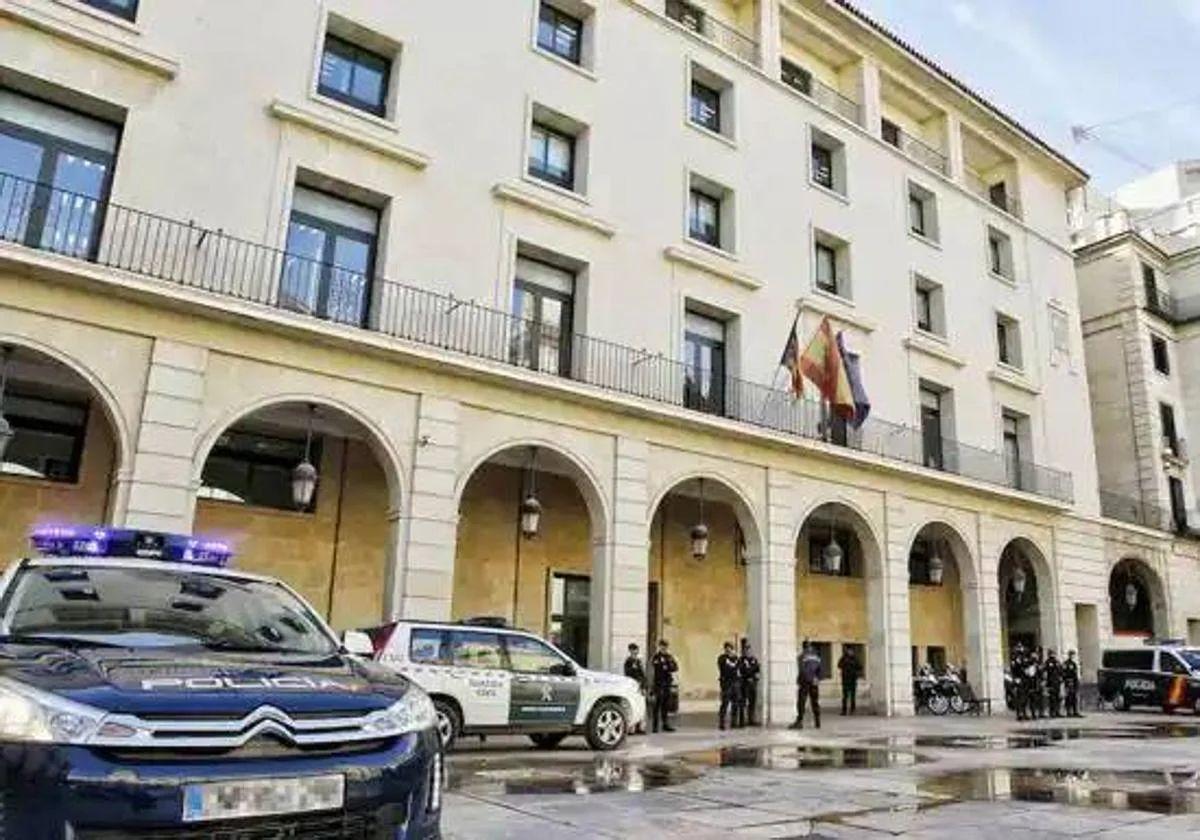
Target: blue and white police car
[{"x": 148, "y": 691}]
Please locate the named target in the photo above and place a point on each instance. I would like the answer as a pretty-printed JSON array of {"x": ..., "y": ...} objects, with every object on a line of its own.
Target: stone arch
[
  {"x": 843, "y": 597},
  {"x": 931, "y": 607},
  {"x": 748, "y": 516},
  {"x": 1043, "y": 600},
  {"x": 1148, "y": 615}
]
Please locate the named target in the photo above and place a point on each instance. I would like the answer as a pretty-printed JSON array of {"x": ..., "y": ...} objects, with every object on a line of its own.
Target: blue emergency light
[{"x": 93, "y": 541}]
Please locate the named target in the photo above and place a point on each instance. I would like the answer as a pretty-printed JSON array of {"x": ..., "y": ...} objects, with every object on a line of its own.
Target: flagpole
[{"x": 771, "y": 392}]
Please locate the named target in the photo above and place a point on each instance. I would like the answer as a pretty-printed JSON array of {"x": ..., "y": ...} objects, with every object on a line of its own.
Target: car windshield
[
  {"x": 1190, "y": 657},
  {"x": 146, "y": 607}
]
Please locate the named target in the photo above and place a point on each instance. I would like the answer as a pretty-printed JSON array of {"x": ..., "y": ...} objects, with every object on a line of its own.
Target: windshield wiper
[
  {"x": 47, "y": 639},
  {"x": 250, "y": 647}
]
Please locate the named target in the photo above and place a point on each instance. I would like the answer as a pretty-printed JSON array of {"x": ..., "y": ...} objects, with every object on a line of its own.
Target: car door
[
  {"x": 480, "y": 678},
  {"x": 1173, "y": 675},
  {"x": 545, "y": 686}
]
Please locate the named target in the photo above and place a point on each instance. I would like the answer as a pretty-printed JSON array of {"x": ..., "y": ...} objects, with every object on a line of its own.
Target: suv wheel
[
  {"x": 1196, "y": 705},
  {"x": 449, "y": 722},
  {"x": 547, "y": 740},
  {"x": 606, "y": 726},
  {"x": 1120, "y": 702}
]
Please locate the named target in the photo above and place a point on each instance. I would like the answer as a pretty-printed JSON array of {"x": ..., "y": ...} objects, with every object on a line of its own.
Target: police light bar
[{"x": 92, "y": 541}]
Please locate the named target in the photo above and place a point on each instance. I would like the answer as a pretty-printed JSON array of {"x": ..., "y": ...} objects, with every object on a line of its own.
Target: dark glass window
[
  {"x": 1162, "y": 358},
  {"x": 795, "y": 77},
  {"x": 704, "y": 218},
  {"x": 1012, "y": 449},
  {"x": 1128, "y": 660},
  {"x": 998, "y": 195},
  {"x": 931, "y": 428},
  {"x": 686, "y": 13},
  {"x": 704, "y": 360},
  {"x": 48, "y": 437},
  {"x": 1178, "y": 504},
  {"x": 354, "y": 76},
  {"x": 560, "y": 33},
  {"x": 1166, "y": 415},
  {"x": 822, "y": 165},
  {"x": 552, "y": 156},
  {"x": 530, "y": 656},
  {"x": 1150, "y": 283},
  {"x": 916, "y": 214},
  {"x": 825, "y": 651},
  {"x": 427, "y": 644},
  {"x": 477, "y": 650},
  {"x": 1135, "y": 618},
  {"x": 55, "y": 172},
  {"x": 543, "y": 304},
  {"x": 121, "y": 8},
  {"x": 255, "y": 469},
  {"x": 918, "y": 562},
  {"x": 570, "y": 614},
  {"x": 330, "y": 257},
  {"x": 924, "y": 309},
  {"x": 890, "y": 132},
  {"x": 706, "y": 106},
  {"x": 997, "y": 258},
  {"x": 827, "y": 274},
  {"x": 1002, "y": 341}
]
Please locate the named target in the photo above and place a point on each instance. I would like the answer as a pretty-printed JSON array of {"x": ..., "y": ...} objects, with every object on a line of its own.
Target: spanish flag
[{"x": 823, "y": 365}]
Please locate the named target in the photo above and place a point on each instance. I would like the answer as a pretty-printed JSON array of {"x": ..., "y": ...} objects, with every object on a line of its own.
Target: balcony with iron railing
[
  {"x": 829, "y": 98},
  {"x": 184, "y": 254},
  {"x": 1148, "y": 515},
  {"x": 918, "y": 150},
  {"x": 727, "y": 37},
  {"x": 1177, "y": 310}
]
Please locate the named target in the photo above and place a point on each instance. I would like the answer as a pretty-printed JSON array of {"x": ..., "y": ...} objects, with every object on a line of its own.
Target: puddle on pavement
[
  {"x": 1041, "y": 737},
  {"x": 603, "y": 775},
  {"x": 966, "y": 742},
  {"x": 1160, "y": 792},
  {"x": 804, "y": 758}
]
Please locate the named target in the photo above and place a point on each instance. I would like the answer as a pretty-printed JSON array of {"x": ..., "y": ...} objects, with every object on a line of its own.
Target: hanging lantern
[
  {"x": 831, "y": 556},
  {"x": 1019, "y": 580},
  {"x": 937, "y": 568},
  {"x": 531, "y": 507},
  {"x": 305, "y": 476},
  {"x": 6, "y": 429},
  {"x": 699, "y": 533},
  {"x": 1131, "y": 596}
]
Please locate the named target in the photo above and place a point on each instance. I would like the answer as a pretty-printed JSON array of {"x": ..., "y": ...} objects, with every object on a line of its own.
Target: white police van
[{"x": 487, "y": 678}]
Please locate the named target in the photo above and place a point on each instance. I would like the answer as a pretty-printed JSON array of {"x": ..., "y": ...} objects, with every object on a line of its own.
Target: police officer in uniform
[
  {"x": 636, "y": 672},
  {"x": 850, "y": 669},
  {"x": 1036, "y": 671},
  {"x": 748, "y": 674},
  {"x": 1070, "y": 678},
  {"x": 1054, "y": 676},
  {"x": 808, "y": 685},
  {"x": 662, "y": 667},
  {"x": 1016, "y": 669},
  {"x": 728, "y": 677}
]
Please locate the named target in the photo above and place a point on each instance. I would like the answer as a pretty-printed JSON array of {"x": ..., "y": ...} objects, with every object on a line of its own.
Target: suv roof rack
[{"x": 497, "y": 621}]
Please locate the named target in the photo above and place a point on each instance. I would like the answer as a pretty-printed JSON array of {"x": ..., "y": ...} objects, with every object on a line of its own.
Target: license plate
[{"x": 262, "y": 797}]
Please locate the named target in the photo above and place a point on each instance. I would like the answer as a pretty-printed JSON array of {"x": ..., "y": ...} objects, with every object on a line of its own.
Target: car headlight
[
  {"x": 32, "y": 716},
  {"x": 411, "y": 713}
]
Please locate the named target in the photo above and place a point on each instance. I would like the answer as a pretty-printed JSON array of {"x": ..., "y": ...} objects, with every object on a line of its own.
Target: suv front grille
[{"x": 343, "y": 825}]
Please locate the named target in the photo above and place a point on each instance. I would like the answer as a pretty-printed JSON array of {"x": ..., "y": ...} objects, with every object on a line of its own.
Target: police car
[
  {"x": 487, "y": 678},
  {"x": 147, "y": 691},
  {"x": 1164, "y": 674}
]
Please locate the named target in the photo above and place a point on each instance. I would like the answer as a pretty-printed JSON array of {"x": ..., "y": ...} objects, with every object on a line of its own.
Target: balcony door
[
  {"x": 330, "y": 257},
  {"x": 543, "y": 306},
  {"x": 931, "y": 428},
  {"x": 704, "y": 363}
]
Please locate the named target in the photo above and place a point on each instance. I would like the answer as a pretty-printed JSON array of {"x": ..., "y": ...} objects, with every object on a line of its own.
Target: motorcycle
[{"x": 931, "y": 692}]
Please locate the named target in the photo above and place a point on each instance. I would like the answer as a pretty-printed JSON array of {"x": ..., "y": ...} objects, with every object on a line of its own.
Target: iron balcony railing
[
  {"x": 802, "y": 81},
  {"x": 188, "y": 255},
  {"x": 995, "y": 194},
  {"x": 918, "y": 150},
  {"x": 728, "y": 38},
  {"x": 1137, "y": 512},
  {"x": 1177, "y": 310}
]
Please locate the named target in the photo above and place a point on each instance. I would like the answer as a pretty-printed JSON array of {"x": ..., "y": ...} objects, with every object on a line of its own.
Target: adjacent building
[{"x": 438, "y": 321}]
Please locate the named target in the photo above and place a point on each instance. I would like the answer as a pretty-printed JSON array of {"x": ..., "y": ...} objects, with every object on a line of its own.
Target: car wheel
[
  {"x": 939, "y": 704},
  {"x": 547, "y": 740},
  {"x": 449, "y": 722},
  {"x": 1196, "y": 705},
  {"x": 1120, "y": 702},
  {"x": 607, "y": 726}
]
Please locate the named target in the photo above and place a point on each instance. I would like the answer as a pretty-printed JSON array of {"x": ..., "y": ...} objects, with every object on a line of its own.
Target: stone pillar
[
  {"x": 772, "y": 582},
  {"x": 767, "y": 31},
  {"x": 426, "y": 532},
  {"x": 159, "y": 495},
  {"x": 897, "y": 627},
  {"x": 870, "y": 96},
  {"x": 622, "y": 581},
  {"x": 954, "y": 148}
]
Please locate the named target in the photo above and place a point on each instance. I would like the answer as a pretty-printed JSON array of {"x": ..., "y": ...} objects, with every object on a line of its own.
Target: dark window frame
[
  {"x": 917, "y": 222},
  {"x": 1003, "y": 349},
  {"x": 834, "y": 285},
  {"x": 556, "y": 19},
  {"x": 704, "y": 106},
  {"x": 795, "y": 76},
  {"x": 823, "y": 170},
  {"x": 536, "y": 323},
  {"x": 693, "y": 398},
  {"x": 1170, "y": 431},
  {"x": 698, "y": 196},
  {"x": 124, "y": 11},
  {"x": 356, "y": 56},
  {"x": 1161, "y": 354},
  {"x": 925, "y": 309},
  {"x": 889, "y": 132},
  {"x": 332, "y": 231},
  {"x": 538, "y": 165},
  {"x": 259, "y": 460},
  {"x": 1175, "y": 493},
  {"x": 933, "y": 445},
  {"x": 35, "y": 425}
]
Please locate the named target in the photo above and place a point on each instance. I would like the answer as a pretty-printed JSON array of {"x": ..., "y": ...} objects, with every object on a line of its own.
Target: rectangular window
[
  {"x": 1162, "y": 359},
  {"x": 1060, "y": 335},
  {"x": 922, "y": 212},
  {"x": 560, "y": 33},
  {"x": 931, "y": 428},
  {"x": 924, "y": 308},
  {"x": 795, "y": 77},
  {"x": 1012, "y": 449},
  {"x": 704, "y": 363},
  {"x": 1150, "y": 284},
  {"x": 530, "y": 656},
  {"x": 544, "y": 305},
  {"x": 48, "y": 437},
  {"x": 1178, "y": 505},
  {"x": 249, "y": 468},
  {"x": 55, "y": 171},
  {"x": 355, "y": 76},
  {"x": 822, "y": 165},
  {"x": 121, "y": 8},
  {"x": 570, "y": 614},
  {"x": 890, "y": 132},
  {"x": 704, "y": 218},
  {"x": 916, "y": 214},
  {"x": 1166, "y": 416},
  {"x": 826, "y": 271},
  {"x": 552, "y": 156},
  {"x": 825, "y": 651},
  {"x": 1008, "y": 341},
  {"x": 705, "y": 106},
  {"x": 688, "y": 14},
  {"x": 998, "y": 195},
  {"x": 428, "y": 645},
  {"x": 330, "y": 257},
  {"x": 999, "y": 254},
  {"x": 477, "y": 650}
]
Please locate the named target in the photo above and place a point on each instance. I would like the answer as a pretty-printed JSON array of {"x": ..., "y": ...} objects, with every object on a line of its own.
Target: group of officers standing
[
  {"x": 1043, "y": 685},
  {"x": 737, "y": 674}
]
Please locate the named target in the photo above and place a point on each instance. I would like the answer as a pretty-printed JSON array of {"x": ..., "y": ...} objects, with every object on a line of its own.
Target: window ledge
[
  {"x": 1014, "y": 379},
  {"x": 925, "y": 240},
  {"x": 709, "y": 133},
  {"x": 518, "y": 194},
  {"x": 334, "y": 126},
  {"x": 933, "y": 346},
  {"x": 79, "y": 7},
  {"x": 349, "y": 110},
  {"x": 676, "y": 254},
  {"x": 550, "y": 186},
  {"x": 1002, "y": 278},
  {"x": 829, "y": 191},
  {"x": 836, "y": 309},
  {"x": 587, "y": 73},
  {"x": 85, "y": 36}
]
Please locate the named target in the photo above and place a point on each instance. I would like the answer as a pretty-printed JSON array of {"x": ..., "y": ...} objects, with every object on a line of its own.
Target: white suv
[{"x": 487, "y": 679}]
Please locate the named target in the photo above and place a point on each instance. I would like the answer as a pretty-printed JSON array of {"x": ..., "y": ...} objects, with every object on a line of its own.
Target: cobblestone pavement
[{"x": 1107, "y": 775}]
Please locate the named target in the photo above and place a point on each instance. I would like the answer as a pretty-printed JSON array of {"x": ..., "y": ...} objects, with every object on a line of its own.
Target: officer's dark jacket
[
  {"x": 727, "y": 668},
  {"x": 635, "y": 671},
  {"x": 748, "y": 668},
  {"x": 663, "y": 665}
]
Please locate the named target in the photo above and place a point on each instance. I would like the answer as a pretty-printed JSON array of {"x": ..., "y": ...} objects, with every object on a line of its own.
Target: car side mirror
[
  {"x": 563, "y": 669},
  {"x": 358, "y": 643}
]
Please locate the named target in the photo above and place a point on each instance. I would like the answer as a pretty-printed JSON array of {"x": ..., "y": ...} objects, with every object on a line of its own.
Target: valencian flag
[
  {"x": 822, "y": 364},
  {"x": 862, "y": 403},
  {"x": 791, "y": 360}
]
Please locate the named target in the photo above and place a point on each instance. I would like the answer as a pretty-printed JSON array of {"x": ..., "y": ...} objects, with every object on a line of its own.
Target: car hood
[
  {"x": 162, "y": 681},
  {"x": 604, "y": 678}
]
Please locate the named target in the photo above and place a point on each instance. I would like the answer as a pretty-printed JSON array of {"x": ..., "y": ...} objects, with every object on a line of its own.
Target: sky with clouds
[{"x": 1053, "y": 64}]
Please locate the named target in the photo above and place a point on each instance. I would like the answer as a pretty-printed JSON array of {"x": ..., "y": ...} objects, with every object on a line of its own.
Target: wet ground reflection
[
  {"x": 1045, "y": 736},
  {"x": 1164, "y": 792},
  {"x": 605, "y": 774},
  {"x": 803, "y": 758}
]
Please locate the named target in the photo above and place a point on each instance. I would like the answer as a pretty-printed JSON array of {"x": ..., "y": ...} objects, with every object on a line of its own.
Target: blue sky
[{"x": 1052, "y": 64}]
